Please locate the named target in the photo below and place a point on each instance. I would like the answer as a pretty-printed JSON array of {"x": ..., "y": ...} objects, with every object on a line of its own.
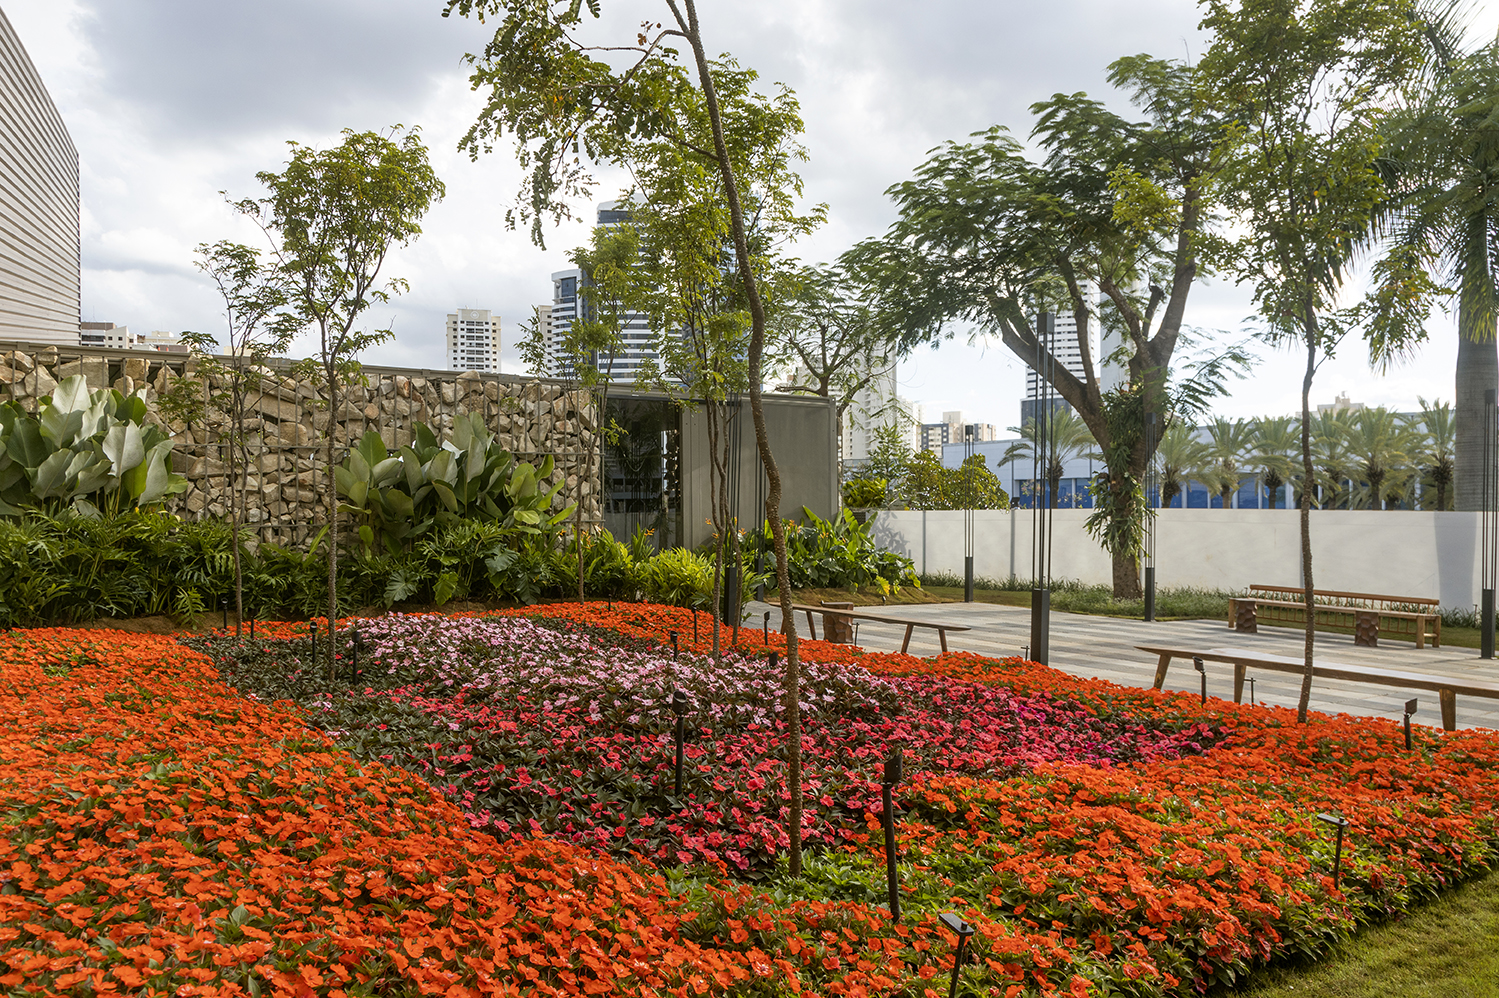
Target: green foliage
[
  {"x": 678, "y": 577},
  {"x": 865, "y": 493},
  {"x": 399, "y": 497},
  {"x": 71, "y": 568},
  {"x": 838, "y": 553},
  {"x": 85, "y": 451},
  {"x": 1120, "y": 513}
]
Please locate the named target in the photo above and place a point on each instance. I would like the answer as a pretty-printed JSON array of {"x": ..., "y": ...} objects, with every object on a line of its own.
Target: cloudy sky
[{"x": 172, "y": 101}]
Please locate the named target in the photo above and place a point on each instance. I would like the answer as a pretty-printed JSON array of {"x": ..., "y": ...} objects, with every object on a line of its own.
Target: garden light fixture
[
  {"x": 891, "y": 778},
  {"x": 355, "y": 643},
  {"x": 224, "y": 608},
  {"x": 675, "y": 651},
  {"x": 1251, "y": 691},
  {"x": 962, "y": 930},
  {"x": 1410, "y": 708},
  {"x": 1197, "y": 664},
  {"x": 1339, "y": 822},
  {"x": 765, "y": 628},
  {"x": 679, "y": 707}
]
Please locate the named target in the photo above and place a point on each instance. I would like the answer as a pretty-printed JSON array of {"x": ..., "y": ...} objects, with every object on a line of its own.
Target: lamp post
[
  {"x": 968, "y": 438},
  {"x": 679, "y": 707},
  {"x": 962, "y": 930},
  {"x": 1150, "y": 488},
  {"x": 1041, "y": 453},
  {"x": 1339, "y": 822},
  {"x": 1489, "y": 541},
  {"x": 892, "y": 776}
]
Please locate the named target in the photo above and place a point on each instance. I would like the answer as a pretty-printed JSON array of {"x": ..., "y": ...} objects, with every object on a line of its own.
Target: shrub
[{"x": 837, "y": 553}]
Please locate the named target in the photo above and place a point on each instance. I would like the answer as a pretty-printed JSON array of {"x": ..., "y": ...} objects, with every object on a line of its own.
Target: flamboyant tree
[{"x": 1119, "y": 210}]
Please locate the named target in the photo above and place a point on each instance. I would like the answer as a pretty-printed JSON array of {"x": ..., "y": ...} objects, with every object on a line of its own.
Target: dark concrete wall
[{"x": 803, "y": 435}]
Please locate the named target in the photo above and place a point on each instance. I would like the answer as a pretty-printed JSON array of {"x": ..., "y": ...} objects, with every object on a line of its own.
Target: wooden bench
[
  {"x": 852, "y": 615},
  {"x": 1363, "y": 613},
  {"x": 1446, "y": 687}
]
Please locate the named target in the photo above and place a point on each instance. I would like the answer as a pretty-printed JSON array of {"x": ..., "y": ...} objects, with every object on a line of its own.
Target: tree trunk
[
  {"x": 1477, "y": 373},
  {"x": 762, "y": 442},
  {"x": 1306, "y": 518},
  {"x": 236, "y": 509},
  {"x": 330, "y": 483}
]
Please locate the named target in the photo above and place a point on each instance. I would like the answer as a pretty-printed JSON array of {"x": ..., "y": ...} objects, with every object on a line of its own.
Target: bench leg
[
  {"x": 907, "y": 642},
  {"x": 1449, "y": 709},
  {"x": 811, "y": 625},
  {"x": 1160, "y": 670},
  {"x": 1239, "y": 670},
  {"x": 942, "y": 636},
  {"x": 1436, "y": 632}
]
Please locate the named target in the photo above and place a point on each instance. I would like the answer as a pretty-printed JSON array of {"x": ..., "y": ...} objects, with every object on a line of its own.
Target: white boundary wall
[{"x": 1396, "y": 552}]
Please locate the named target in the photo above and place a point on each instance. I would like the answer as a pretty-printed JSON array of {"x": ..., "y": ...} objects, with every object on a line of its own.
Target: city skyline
[{"x": 877, "y": 90}]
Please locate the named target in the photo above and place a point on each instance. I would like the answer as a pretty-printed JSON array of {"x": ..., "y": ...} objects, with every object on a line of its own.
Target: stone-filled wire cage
[{"x": 286, "y": 424}]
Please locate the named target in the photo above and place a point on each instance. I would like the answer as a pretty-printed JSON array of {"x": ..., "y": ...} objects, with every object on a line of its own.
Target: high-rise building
[
  {"x": 473, "y": 340},
  {"x": 39, "y": 206},
  {"x": 952, "y": 430},
  {"x": 624, "y": 364},
  {"x": 1103, "y": 345}
]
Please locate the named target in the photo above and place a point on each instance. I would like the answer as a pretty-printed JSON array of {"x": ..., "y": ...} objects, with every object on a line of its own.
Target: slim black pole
[
  {"x": 1197, "y": 664},
  {"x": 1150, "y": 446},
  {"x": 887, "y": 785},
  {"x": 1490, "y": 533}
]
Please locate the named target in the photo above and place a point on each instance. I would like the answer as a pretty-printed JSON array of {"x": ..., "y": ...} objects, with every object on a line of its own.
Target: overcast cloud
[{"x": 172, "y": 101}]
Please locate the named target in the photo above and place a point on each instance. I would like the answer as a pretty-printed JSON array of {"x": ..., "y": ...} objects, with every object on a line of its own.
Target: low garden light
[
  {"x": 1410, "y": 708},
  {"x": 675, "y": 651},
  {"x": 224, "y": 608},
  {"x": 356, "y": 644},
  {"x": 765, "y": 628},
  {"x": 892, "y": 776},
  {"x": 1197, "y": 664},
  {"x": 679, "y": 707},
  {"x": 1340, "y": 823},
  {"x": 962, "y": 930},
  {"x": 1251, "y": 691}
]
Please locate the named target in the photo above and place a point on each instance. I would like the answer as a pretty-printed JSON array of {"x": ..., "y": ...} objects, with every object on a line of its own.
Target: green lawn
[{"x": 1446, "y": 949}]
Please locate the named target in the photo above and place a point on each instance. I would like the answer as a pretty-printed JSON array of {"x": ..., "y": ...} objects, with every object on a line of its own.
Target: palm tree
[
  {"x": 1068, "y": 438},
  {"x": 1180, "y": 455},
  {"x": 1434, "y": 450},
  {"x": 1277, "y": 439},
  {"x": 1332, "y": 456},
  {"x": 1380, "y": 441},
  {"x": 1227, "y": 445},
  {"x": 1443, "y": 215}
]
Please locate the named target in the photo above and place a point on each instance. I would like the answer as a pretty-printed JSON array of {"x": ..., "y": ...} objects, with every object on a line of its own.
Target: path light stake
[
  {"x": 312, "y": 629},
  {"x": 963, "y": 930},
  {"x": 1339, "y": 822},
  {"x": 892, "y": 777},
  {"x": 1197, "y": 664},
  {"x": 694, "y": 626},
  {"x": 252, "y": 625},
  {"x": 679, "y": 707},
  {"x": 675, "y": 651},
  {"x": 765, "y": 629},
  {"x": 1252, "y": 700},
  {"x": 357, "y": 643},
  {"x": 224, "y": 607},
  {"x": 1410, "y": 708}
]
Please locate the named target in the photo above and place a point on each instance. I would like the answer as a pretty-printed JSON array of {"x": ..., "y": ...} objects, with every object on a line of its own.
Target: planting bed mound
[{"x": 484, "y": 804}]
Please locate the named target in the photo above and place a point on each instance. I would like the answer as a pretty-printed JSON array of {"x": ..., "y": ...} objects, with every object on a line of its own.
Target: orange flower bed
[{"x": 166, "y": 835}]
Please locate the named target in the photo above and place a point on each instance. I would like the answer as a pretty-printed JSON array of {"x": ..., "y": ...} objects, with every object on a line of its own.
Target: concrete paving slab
[{"x": 1104, "y": 648}]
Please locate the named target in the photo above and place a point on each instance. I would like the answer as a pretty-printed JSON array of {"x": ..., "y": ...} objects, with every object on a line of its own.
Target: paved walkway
[{"x": 1104, "y": 647}]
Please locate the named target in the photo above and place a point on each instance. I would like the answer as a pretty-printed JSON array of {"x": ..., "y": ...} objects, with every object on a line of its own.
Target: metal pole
[
  {"x": 1490, "y": 536},
  {"x": 1041, "y": 432},
  {"x": 1150, "y": 445},
  {"x": 887, "y": 785},
  {"x": 1197, "y": 664},
  {"x": 968, "y": 525}
]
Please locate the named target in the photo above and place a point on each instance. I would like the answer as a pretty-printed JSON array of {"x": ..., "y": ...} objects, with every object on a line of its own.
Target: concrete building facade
[{"x": 40, "y": 256}]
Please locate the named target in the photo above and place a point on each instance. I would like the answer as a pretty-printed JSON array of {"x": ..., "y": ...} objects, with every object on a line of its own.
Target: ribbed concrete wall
[{"x": 39, "y": 208}]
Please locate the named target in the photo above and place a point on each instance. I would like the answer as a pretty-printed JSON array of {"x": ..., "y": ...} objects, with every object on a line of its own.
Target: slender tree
[
  {"x": 569, "y": 106},
  {"x": 1304, "y": 85},
  {"x": 331, "y": 217},
  {"x": 258, "y": 327}
]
